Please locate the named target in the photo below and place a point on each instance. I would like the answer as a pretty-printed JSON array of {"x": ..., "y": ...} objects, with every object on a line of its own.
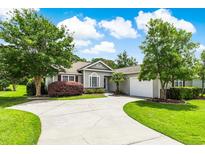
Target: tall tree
[
  {"x": 109, "y": 62},
  {"x": 123, "y": 60},
  {"x": 117, "y": 78},
  {"x": 201, "y": 70},
  {"x": 43, "y": 48},
  {"x": 168, "y": 54}
]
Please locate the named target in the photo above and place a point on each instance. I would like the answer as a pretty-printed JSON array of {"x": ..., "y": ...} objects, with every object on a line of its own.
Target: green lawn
[
  {"x": 10, "y": 98},
  {"x": 18, "y": 127},
  {"x": 183, "y": 122},
  {"x": 84, "y": 96}
]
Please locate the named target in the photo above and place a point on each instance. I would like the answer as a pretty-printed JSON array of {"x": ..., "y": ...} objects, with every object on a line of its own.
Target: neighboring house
[{"x": 98, "y": 75}]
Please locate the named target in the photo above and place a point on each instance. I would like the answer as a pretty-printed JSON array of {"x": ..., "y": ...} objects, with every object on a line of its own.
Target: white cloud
[
  {"x": 4, "y": 13},
  {"x": 82, "y": 29},
  {"x": 82, "y": 43},
  {"x": 143, "y": 18},
  {"x": 199, "y": 50},
  {"x": 104, "y": 46},
  {"x": 119, "y": 28}
]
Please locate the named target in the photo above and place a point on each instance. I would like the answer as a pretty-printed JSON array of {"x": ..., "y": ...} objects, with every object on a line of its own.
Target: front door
[{"x": 105, "y": 83}]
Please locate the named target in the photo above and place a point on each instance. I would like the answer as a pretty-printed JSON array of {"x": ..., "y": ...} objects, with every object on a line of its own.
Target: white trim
[
  {"x": 67, "y": 76},
  {"x": 96, "y": 70},
  {"x": 84, "y": 78},
  {"x": 96, "y": 63},
  {"x": 94, "y": 74}
]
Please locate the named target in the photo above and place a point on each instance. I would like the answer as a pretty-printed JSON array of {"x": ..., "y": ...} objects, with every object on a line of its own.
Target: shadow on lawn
[
  {"x": 176, "y": 107},
  {"x": 10, "y": 101}
]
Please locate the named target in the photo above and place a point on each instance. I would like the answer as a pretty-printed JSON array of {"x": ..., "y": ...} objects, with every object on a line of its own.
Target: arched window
[{"x": 94, "y": 80}]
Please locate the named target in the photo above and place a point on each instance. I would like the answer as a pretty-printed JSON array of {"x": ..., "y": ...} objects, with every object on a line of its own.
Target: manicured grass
[
  {"x": 183, "y": 122},
  {"x": 18, "y": 127},
  {"x": 10, "y": 98},
  {"x": 84, "y": 96}
]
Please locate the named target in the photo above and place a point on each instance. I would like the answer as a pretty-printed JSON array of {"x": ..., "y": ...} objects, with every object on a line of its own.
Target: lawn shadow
[
  {"x": 10, "y": 101},
  {"x": 175, "y": 107}
]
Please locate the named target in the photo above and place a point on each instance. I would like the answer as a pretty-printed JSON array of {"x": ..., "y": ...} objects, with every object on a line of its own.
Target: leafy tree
[
  {"x": 117, "y": 78},
  {"x": 43, "y": 48},
  {"x": 124, "y": 60},
  {"x": 77, "y": 58},
  {"x": 10, "y": 65},
  {"x": 168, "y": 54},
  {"x": 110, "y": 63},
  {"x": 201, "y": 70}
]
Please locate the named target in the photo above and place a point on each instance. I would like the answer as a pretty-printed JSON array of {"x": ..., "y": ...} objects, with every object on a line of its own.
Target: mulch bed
[{"x": 169, "y": 101}]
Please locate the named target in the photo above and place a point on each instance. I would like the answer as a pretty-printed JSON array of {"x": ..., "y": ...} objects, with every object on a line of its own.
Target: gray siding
[
  {"x": 99, "y": 66},
  {"x": 197, "y": 83},
  {"x": 100, "y": 74}
]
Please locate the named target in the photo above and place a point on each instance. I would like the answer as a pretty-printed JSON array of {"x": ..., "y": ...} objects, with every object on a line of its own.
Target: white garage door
[{"x": 141, "y": 88}]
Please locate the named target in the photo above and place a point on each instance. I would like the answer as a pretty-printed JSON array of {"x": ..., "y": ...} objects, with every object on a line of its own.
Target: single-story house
[{"x": 98, "y": 75}]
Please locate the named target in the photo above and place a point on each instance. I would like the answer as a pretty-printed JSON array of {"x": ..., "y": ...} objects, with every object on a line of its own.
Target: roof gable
[{"x": 99, "y": 65}]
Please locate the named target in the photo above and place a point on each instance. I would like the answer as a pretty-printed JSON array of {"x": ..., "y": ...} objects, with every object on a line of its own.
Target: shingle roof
[
  {"x": 129, "y": 70},
  {"x": 74, "y": 68}
]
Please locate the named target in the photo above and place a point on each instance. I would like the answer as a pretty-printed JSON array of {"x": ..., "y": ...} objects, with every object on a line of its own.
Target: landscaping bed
[
  {"x": 182, "y": 122},
  {"x": 170, "y": 101}
]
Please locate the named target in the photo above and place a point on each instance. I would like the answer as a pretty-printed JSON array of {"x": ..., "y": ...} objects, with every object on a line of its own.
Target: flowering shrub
[{"x": 63, "y": 88}]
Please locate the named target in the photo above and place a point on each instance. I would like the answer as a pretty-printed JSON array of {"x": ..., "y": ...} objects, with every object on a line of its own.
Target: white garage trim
[{"x": 141, "y": 88}]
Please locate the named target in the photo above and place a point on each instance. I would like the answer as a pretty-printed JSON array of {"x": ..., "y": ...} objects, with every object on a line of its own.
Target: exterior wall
[
  {"x": 99, "y": 66},
  {"x": 124, "y": 86},
  {"x": 156, "y": 88},
  {"x": 197, "y": 83},
  {"x": 49, "y": 80},
  {"x": 86, "y": 80}
]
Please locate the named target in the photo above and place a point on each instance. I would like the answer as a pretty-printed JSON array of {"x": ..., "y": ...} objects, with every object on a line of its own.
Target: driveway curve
[{"x": 91, "y": 121}]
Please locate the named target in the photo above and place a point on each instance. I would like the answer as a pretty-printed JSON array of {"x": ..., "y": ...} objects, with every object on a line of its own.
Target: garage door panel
[{"x": 141, "y": 88}]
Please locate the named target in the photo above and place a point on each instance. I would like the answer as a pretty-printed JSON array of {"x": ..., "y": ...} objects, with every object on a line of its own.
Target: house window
[
  {"x": 179, "y": 83},
  {"x": 67, "y": 78},
  {"x": 94, "y": 80}
]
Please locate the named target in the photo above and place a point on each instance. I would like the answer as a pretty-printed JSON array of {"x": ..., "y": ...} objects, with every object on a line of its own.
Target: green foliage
[
  {"x": 124, "y": 60},
  {"x": 182, "y": 122},
  {"x": 77, "y": 58},
  {"x": 31, "y": 88},
  {"x": 38, "y": 48},
  {"x": 3, "y": 84},
  {"x": 110, "y": 63},
  {"x": 94, "y": 90},
  {"x": 19, "y": 127},
  {"x": 117, "y": 78},
  {"x": 168, "y": 53},
  {"x": 186, "y": 93}
]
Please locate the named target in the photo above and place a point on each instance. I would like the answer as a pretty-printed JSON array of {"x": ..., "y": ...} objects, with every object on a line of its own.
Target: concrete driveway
[{"x": 91, "y": 121}]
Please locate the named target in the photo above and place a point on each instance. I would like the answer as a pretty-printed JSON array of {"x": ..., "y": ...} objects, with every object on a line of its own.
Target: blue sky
[{"x": 107, "y": 32}]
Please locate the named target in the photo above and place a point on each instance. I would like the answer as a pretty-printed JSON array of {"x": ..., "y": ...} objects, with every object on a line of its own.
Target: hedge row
[
  {"x": 63, "y": 88},
  {"x": 186, "y": 93},
  {"x": 94, "y": 90}
]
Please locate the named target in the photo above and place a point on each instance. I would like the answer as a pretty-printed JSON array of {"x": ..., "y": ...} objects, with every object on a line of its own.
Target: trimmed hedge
[
  {"x": 31, "y": 88},
  {"x": 63, "y": 88},
  {"x": 94, "y": 90},
  {"x": 183, "y": 93}
]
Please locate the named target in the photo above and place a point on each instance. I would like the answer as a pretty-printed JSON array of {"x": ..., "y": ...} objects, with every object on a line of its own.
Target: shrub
[
  {"x": 31, "y": 88},
  {"x": 63, "y": 88},
  {"x": 94, "y": 90},
  {"x": 183, "y": 93},
  {"x": 3, "y": 84}
]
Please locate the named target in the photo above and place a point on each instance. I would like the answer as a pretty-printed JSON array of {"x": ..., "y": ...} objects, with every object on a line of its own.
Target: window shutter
[{"x": 59, "y": 77}]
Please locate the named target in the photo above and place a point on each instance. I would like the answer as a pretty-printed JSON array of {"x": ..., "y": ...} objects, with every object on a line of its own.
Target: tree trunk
[
  {"x": 202, "y": 91},
  {"x": 117, "y": 91},
  {"x": 14, "y": 86},
  {"x": 172, "y": 83},
  {"x": 37, "y": 80},
  {"x": 163, "y": 91}
]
